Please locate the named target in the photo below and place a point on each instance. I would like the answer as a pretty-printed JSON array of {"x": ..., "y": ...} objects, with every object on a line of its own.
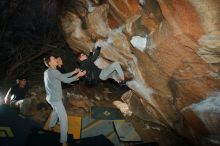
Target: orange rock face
[{"x": 173, "y": 75}]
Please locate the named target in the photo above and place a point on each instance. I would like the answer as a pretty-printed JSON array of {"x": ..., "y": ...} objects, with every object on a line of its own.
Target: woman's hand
[
  {"x": 81, "y": 73},
  {"x": 76, "y": 70}
]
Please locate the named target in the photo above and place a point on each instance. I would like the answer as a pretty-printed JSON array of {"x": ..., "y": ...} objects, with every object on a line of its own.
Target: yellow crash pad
[{"x": 74, "y": 126}]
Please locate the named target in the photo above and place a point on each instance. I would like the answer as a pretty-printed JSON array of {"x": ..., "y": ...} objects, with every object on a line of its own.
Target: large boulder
[{"x": 173, "y": 69}]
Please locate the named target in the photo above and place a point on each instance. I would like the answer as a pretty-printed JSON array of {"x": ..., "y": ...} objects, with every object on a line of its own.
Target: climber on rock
[{"x": 94, "y": 74}]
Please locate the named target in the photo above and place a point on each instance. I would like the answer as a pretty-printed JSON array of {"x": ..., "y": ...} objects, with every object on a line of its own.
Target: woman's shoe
[
  {"x": 65, "y": 144},
  {"x": 51, "y": 129},
  {"x": 128, "y": 76},
  {"x": 122, "y": 83}
]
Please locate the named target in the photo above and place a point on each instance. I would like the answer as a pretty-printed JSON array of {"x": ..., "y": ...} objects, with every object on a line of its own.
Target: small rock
[{"x": 97, "y": 98}]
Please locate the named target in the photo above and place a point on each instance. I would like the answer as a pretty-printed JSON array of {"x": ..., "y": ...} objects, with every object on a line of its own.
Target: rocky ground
[{"x": 82, "y": 97}]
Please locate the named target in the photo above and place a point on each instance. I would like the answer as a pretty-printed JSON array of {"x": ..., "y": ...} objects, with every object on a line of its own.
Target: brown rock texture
[{"x": 178, "y": 68}]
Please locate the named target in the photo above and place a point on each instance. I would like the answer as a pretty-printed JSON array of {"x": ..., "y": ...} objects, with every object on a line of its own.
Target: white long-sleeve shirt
[{"x": 52, "y": 82}]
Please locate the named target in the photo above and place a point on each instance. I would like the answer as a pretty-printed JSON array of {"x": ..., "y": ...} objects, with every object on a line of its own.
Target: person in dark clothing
[
  {"x": 18, "y": 91},
  {"x": 16, "y": 96},
  {"x": 93, "y": 73}
]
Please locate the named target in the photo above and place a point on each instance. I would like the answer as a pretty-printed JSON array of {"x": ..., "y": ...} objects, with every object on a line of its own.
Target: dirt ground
[{"x": 81, "y": 98}]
